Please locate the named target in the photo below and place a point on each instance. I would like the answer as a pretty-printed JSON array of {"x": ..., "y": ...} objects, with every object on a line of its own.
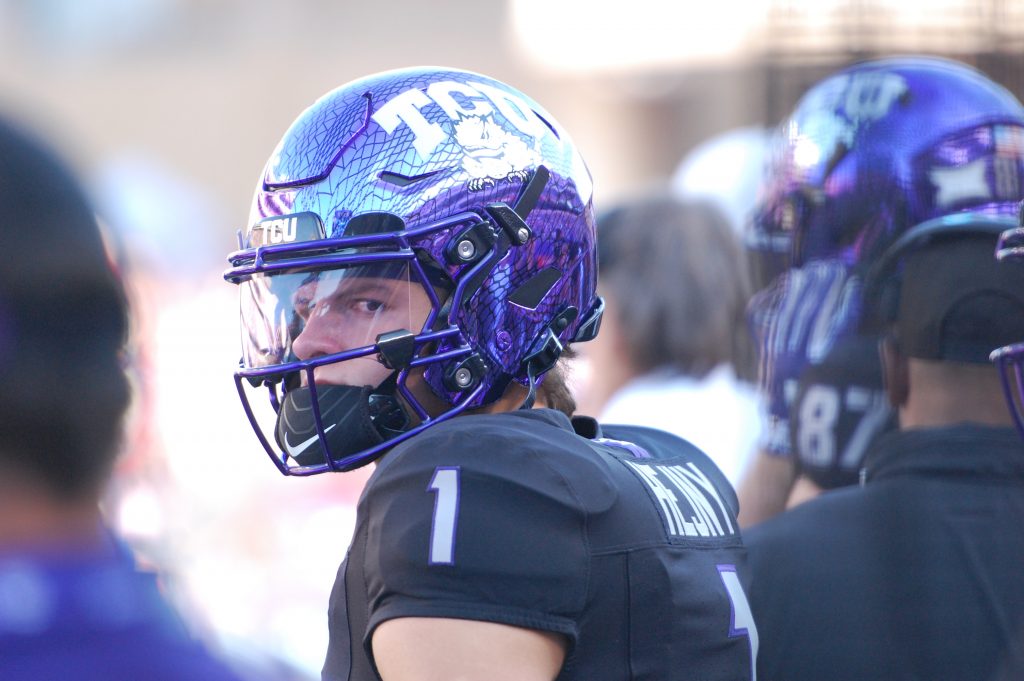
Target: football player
[
  {"x": 916, "y": 574},
  {"x": 72, "y": 603},
  {"x": 851, "y": 170},
  {"x": 420, "y": 251}
]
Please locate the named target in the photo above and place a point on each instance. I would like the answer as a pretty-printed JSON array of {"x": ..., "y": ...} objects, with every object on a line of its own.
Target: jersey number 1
[{"x": 445, "y": 484}]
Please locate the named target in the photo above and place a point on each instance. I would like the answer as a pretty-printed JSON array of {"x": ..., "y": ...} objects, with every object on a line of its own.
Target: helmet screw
[
  {"x": 463, "y": 377},
  {"x": 523, "y": 234},
  {"x": 466, "y": 249}
]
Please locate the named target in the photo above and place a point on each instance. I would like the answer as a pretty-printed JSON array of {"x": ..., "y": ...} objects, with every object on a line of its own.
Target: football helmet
[
  {"x": 884, "y": 145},
  {"x": 867, "y": 154},
  {"x": 418, "y": 240}
]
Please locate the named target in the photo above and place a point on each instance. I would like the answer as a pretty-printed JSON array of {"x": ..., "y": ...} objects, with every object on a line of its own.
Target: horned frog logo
[
  {"x": 492, "y": 153},
  {"x": 843, "y": 108}
]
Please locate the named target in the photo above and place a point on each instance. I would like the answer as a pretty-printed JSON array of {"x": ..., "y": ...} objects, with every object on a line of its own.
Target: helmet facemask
[{"x": 340, "y": 332}]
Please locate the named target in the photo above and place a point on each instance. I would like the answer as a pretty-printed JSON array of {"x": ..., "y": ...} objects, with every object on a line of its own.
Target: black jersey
[
  {"x": 839, "y": 409},
  {"x": 917, "y": 575},
  {"x": 625, "y": 542}
]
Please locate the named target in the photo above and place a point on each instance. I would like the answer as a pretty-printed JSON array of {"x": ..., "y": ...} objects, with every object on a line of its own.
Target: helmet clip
[{"x": 397, "y": 348}]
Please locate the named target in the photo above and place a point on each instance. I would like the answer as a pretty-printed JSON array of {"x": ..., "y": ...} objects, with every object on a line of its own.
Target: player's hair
[
  {"x": 680, "y": 280},
  {"x": 63, "y": 326},
  {"x": 554, "y": 391}
]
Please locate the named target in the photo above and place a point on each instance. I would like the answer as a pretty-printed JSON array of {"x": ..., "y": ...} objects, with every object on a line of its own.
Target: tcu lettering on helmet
[
  {"x": 447, "y": 182},
  {"x": 478, "y": 100}
]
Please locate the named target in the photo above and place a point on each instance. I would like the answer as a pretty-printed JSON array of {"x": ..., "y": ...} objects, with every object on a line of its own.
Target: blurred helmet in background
[{"x": 884, "y": 145}]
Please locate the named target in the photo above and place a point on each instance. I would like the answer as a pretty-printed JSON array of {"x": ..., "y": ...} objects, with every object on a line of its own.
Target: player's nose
[{"x": 317, "y": 338}]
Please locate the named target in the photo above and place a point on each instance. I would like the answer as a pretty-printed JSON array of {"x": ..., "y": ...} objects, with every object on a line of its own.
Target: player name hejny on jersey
[{"x": 697, "y": 510}]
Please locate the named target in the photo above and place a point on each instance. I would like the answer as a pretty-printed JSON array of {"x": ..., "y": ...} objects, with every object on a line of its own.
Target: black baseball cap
[{"x": 957, "y": 302}]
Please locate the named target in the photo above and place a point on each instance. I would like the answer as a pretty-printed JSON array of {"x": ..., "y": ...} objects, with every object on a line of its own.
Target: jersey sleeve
[{"x": 474, "y": 525}]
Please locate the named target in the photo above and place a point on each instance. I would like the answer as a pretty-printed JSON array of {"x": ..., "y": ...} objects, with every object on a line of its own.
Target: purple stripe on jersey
[
  {"x": 741, "y": 621},
  {"x": 636, "y": 450}
]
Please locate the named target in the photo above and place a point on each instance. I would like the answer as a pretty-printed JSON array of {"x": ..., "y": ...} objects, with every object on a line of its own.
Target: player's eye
[
  {"x": 303, "y": 307},
  {"x": 368, "y": 305}
]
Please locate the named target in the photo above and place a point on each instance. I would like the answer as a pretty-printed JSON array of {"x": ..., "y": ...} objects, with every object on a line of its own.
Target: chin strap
[
  {"x": 548, "y": 348},
  {"x": 531, "y": 377},
  {"x": 386, "y": 412},
  {"x": 546, "y": 352}
]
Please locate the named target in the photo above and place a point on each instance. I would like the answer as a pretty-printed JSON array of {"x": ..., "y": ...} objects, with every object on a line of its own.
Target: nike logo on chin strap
[{"x": 295, "y": 450}]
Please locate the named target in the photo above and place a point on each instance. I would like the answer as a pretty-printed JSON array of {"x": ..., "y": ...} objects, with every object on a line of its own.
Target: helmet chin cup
[{"x": 327, "y": 425}]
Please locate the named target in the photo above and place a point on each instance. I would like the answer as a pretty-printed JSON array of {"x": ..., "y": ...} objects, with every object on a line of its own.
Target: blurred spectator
[
  {"x": 72, "y": 604},
  {"x": 725, "y": 170},
  {"x": 916, "y": 575},
  {"x": 673, "y": 352}
]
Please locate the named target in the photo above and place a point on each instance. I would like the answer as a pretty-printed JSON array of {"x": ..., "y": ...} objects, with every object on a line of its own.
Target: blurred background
[{"x": 170, "y": 108}]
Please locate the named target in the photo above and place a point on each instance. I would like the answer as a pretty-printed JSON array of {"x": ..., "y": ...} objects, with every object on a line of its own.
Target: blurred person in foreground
[
  {"x": 867, "y": 153},
  {"x": 421, "y": 249},
  {"x": 72, "y": 604},
  {"x": 674, "y": 352}
]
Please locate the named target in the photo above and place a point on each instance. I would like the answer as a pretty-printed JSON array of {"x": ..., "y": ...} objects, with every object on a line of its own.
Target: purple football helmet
[
  {"x": 419, "y": 240},
  {"x": 869, "y": 153},
  {"x": 1010, "y": 359},
  {"x": 884, "y": 145}
]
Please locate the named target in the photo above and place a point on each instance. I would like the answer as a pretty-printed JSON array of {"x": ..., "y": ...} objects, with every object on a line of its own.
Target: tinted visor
[{"x": 305, "y": 315}]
